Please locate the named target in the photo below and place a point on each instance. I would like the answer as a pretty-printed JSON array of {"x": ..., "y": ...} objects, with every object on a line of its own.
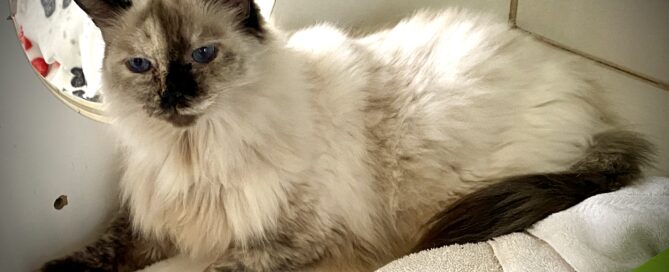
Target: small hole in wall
[{"x": 60, "y": 202}]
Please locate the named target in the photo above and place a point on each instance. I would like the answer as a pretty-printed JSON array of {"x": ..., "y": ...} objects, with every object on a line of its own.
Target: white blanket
[{"x": 617, "y": 231}]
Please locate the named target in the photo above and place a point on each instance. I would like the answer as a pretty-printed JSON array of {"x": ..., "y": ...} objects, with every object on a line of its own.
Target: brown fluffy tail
[{"x": 614, "y": 160}]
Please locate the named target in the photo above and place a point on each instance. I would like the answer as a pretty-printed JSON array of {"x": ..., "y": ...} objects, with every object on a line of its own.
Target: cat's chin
[{"x": 181, "y": 120}]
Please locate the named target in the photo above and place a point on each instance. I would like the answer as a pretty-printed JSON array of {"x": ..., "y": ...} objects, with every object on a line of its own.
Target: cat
[{"x": 315, "y": 151}]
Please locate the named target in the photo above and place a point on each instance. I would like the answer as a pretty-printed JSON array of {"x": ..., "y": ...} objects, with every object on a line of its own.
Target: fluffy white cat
[{"x": 266, "y": 151}]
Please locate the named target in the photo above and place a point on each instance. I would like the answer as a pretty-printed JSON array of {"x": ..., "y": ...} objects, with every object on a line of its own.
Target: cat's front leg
[{"x": 119, "y": 249}]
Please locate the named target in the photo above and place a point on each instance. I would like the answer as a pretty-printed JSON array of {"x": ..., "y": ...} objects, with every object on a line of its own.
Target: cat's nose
[
  {"x": 170, "y": 99},
  {"x": 180, "y": 86}
]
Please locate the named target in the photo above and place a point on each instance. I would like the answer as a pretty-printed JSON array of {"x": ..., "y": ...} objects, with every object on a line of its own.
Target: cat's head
[{"x": 173, "y": 58}]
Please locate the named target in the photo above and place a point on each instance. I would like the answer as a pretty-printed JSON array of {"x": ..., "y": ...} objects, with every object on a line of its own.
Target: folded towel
[
  {"x": 469, "y": 257},
  {"x": 180, "y": 263},
  {"x": 523, "y": 252},
  {"x": 617, "y": 231}
]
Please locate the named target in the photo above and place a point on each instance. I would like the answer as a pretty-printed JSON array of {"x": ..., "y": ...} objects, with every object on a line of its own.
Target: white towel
[
  {"x": 469, "y": 257},
  {"x": 522, "y": 252},
  {"x": 617, "y": 231},
  {"x": 180, "y": 263}
]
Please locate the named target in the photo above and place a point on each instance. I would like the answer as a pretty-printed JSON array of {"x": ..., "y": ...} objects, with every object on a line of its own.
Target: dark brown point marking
[{"x": 514, "y": 204}]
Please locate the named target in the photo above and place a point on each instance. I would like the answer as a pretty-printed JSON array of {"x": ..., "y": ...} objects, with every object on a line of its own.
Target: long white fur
[{"x": 491, "y": 101}]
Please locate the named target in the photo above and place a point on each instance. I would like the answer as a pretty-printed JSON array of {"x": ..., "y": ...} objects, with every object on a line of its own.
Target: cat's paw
[{"x": 68, "y": 265}]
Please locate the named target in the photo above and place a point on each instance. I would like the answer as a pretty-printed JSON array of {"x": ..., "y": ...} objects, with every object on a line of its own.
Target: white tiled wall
[
  {"x": 644, "y": 106},
  {"x": 632, "y": 35},
  {"x": 369, "y": 14}
]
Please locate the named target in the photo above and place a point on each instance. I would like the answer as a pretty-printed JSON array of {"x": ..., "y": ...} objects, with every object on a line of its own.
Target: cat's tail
[{"x": 614, "y": 159}]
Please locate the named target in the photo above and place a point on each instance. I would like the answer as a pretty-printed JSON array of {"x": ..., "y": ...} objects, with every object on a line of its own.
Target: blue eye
[
  {"x": 204, "y": 54},
  {"x": 138, "y": 65}
]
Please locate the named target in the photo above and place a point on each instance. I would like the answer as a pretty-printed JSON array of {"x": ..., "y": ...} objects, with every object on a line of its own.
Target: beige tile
[
  {"x": 632, "y": 34},
  {"x": 644, "y": 107},
  {"x": 369, "y": 14}
]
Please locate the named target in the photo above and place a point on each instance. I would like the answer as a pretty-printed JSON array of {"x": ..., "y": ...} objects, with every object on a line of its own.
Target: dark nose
[
  {"x": 180, "y": 86},
  {"x": 172, "y": 99}
]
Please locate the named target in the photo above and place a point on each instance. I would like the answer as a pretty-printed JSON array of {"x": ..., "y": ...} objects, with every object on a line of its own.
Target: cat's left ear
[
  {"x": 248, "y": 14},
  {"x": 104, "y": 13}
]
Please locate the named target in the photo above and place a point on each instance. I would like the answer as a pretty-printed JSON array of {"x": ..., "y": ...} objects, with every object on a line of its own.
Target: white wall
[
  {"x": 369, "y": 14},
  {"x": 629, "y": 35},
  {"x": 46, "y": 150}
]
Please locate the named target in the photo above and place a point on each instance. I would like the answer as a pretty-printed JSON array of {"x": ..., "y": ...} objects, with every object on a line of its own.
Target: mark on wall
[{"x": 60, "y": 202}]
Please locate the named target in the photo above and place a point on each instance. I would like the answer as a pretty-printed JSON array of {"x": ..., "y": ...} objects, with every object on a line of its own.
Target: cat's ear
[
  {"x": 103, "y": 12},
  {"x": 242, "y": 7},
  {"x": 248, "y": 14}
]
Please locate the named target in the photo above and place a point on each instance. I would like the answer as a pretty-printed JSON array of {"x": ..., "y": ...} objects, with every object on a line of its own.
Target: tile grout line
[
  {"x": 513, "y": 11},
  {"x": 513, "y": 16},
  {"x": 655, "y": 82}
]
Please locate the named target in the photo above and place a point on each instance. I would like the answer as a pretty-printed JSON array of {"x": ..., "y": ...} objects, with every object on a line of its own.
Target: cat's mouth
[
  {"x": 180, "y": 115},
  {"x": 175, "y": 117},
  {"x": 181, "y": 120}
]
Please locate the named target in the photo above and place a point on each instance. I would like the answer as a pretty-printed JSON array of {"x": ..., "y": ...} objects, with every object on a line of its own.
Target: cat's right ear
[{"x": 104, "y": 12}]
